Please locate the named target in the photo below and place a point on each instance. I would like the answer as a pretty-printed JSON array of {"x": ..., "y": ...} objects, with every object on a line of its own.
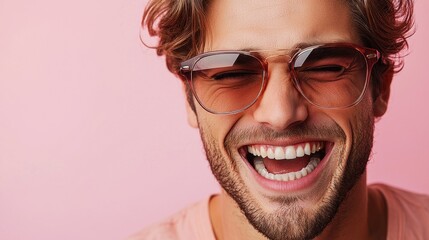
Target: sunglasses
[{"x": 329, "y": 76}]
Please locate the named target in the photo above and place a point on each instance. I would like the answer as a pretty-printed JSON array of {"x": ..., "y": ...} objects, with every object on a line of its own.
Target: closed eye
[
  {"x": 326, "y": 68},
  {"x": 235, "y": 75}
]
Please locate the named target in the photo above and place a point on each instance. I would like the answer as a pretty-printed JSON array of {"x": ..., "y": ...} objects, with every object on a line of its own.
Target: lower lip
[{"x": 295, "y": 185}]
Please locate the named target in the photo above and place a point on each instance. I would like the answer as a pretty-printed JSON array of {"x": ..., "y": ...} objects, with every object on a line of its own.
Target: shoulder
[
  {"x": 190, "y": 223},
  {"x": 403, "y": 198},
  {"x": 408, "y": 212}
]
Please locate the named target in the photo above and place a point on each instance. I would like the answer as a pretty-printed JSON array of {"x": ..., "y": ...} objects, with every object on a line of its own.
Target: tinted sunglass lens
[
  {"x": 332, "y": 77},
  {"x": 227, "y": 82}
]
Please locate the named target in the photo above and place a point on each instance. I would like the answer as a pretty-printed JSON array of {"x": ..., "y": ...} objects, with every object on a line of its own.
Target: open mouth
[{"x": 285, "y": 163}]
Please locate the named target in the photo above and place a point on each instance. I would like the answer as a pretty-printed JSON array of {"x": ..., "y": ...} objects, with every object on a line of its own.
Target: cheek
[
  {"x": 216, "y": 126},
  {"x": 357, "y": 124},
  {"x": 357, "y": 118}
]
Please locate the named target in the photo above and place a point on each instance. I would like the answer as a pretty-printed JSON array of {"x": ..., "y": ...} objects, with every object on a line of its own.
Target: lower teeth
[{"x": 260, "y": 168}]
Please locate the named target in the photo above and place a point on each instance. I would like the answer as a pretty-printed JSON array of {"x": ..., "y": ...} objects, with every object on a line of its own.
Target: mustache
[{"x": 302, "y": 130}]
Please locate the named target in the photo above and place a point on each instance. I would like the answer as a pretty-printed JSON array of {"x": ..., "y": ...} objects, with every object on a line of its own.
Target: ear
[
  {"x": 191, "y": 115},
  {"x": 381, "y": 100}
]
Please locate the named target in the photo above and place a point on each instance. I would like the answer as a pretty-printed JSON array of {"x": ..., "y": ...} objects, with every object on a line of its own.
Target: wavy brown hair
[{"x": 180, "y": 26}]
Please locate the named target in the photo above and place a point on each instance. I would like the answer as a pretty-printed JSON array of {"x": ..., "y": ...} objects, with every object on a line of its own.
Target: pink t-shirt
[
  {"x": 407, "y": 213},
  {"x": 408, "y": 218},
  {"x": 190, "y": 223}
]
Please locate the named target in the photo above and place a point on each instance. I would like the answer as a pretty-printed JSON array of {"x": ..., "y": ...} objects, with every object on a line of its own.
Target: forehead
[{"x": 277, "y": 24}]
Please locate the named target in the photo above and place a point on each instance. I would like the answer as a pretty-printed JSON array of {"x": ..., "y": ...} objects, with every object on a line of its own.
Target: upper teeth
[{"x": 288, "y": 152}]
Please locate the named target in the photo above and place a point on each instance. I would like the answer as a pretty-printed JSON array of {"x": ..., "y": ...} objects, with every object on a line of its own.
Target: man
[{"x": 285, "y": 94}]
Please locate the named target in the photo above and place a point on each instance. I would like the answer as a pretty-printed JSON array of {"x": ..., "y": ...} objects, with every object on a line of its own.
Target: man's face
[{"x": 336, "y": 143}]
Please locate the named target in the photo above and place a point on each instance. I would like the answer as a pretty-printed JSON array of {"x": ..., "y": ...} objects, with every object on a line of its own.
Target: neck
[{"x": 362, "y": 215}]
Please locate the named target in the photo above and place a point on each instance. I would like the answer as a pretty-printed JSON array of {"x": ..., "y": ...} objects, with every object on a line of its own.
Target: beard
[{"x": 290, "y": 220}]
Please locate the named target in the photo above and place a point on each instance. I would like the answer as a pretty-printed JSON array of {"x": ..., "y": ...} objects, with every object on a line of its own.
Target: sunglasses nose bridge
[
  {"x": 275, "y": 59},
  {"x": 286, "y": 57},
  {"x": 282, "y": 60}
]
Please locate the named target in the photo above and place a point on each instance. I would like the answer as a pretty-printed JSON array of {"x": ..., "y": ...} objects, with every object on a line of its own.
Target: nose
[{"x": 281, "y": 105}]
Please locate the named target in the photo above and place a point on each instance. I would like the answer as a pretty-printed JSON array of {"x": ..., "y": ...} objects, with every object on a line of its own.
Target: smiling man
[{"x": 285, "y": 94}]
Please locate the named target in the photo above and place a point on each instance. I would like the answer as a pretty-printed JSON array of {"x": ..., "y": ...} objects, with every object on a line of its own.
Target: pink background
[{"x": 94, "y": 142}]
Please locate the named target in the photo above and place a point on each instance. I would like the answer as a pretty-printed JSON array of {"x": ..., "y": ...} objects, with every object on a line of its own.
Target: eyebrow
[
  {"x": 309, "y": 44},
  {"x": 300, "y": 45}
]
